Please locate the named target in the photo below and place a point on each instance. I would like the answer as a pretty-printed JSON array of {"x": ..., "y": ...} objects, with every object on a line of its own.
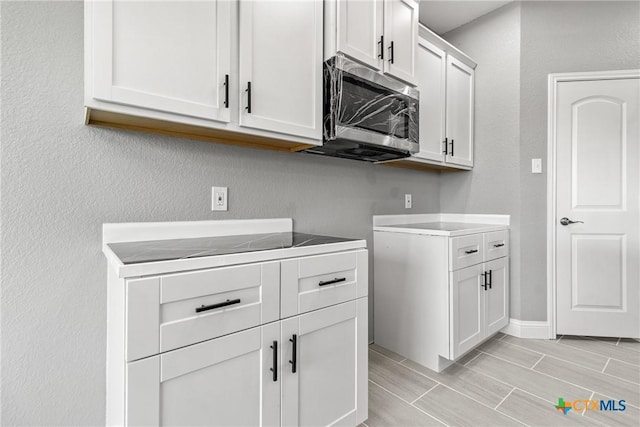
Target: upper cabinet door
[
  {"x": 360, "y": 31},
  {"x": 280, "y": 79},
  {"x": 400, "y": 38},
  {"x": 460, "y": 87},
  {"x": 167, "y": 56},
  {"x": 431, "y": 65}
]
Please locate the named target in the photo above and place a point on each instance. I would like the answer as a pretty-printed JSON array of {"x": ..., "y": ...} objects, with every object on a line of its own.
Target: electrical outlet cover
[{"x": 219, "y": 199}]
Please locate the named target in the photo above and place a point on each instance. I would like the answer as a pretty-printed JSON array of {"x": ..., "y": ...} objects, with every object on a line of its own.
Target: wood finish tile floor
[{"x": 508, "y": 381}]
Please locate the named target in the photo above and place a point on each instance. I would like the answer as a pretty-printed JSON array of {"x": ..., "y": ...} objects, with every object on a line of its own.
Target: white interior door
[
  {"x": 598, "y": 176},
  {"x": 170, "y": 56}
]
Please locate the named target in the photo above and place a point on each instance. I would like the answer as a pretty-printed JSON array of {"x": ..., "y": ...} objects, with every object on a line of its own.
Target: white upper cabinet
[
  {"x": 431, "y": 63},
  {"x": 163, "y": 55},
  {"x": 183, "y": 68},
  {"x": 360, "y": 30},
  {"x": 382, "y": 34},
  {"x": 445, "y": 78},
  {"x": 459, "y": 112},
  {"x": 280, "y": 79},
  {"x": 400, "y": 38}
]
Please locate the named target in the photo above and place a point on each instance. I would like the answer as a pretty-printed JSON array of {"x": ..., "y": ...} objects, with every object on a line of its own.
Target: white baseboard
[{"x": 527, "y": 329}]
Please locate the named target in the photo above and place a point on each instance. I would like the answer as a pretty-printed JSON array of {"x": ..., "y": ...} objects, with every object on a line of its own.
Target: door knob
[{"x": 567, "y": 221}]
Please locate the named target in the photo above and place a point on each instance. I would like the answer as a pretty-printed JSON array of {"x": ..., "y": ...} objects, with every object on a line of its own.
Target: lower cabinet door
[
  {"x": 226, "y": 381},
  {"x": 320, "y": 379},
  {"x": 467, "y": 310},
  {"x": 497, "y": 296}
]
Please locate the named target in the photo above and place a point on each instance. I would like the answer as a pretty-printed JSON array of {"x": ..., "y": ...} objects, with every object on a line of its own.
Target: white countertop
[
  {"x": 440, "y": 224},
  {"x": 449, "y": 229},
  {"x": 144, "y": 249}
]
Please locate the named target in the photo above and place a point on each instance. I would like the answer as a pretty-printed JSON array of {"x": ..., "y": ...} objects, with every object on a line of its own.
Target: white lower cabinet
[
  {"x": 234, "y": 359},
  {"x": 222, "y": 382},
  {"x": 328, "y": 386},
  {"x": 437, "y": 297},
  {"x": 479, "y": 304}
]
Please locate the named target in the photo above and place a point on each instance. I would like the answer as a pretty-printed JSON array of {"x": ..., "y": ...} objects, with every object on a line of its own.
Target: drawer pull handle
[
  {"x": 274, "y": 347},
  {"x": 294, "y": 353},
  {"x": 218, "y": 305},
  {"x": 471, "y": 251},
  {"x": 498, "y": 245},
  {"x": 331, "y": 282}
]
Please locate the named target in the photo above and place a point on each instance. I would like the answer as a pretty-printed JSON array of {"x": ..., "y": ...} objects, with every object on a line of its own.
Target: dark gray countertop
[{"x": 165, "y": 250}]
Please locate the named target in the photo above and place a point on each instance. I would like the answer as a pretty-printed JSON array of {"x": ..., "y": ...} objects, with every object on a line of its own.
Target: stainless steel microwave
[{"x": 367, "y": 115}]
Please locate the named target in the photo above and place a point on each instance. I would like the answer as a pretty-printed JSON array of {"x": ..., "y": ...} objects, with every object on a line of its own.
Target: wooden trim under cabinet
[
  {"x": 142, "y": 124},
  {"x": 424, "y": 166}
]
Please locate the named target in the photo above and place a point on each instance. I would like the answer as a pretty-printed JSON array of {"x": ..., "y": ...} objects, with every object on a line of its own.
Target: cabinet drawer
[
  {"x": 496, "y": 244},
  {"x": 175, "y": 310},
  {"x": 319, "y": 281},
  {"x": 465, "y": 251}
]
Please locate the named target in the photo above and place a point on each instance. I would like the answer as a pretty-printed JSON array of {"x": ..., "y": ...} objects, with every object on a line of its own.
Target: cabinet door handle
[
  {"x": 226, "y": 91},
  {"x": 471, "y": 251},
  {"x": 490, "y": 279},
  {"x": 484, "y": 281},
  {"x": 218, "y": 305},
  {"x": 274, "y": 347},
  {"x": 391, "y": 52},
  {"x": 294, "y": 352},
  {"x": 498, "y": 245},
  {"x": 381, "y": 43},
  {"x": 446, "y": 146},
  {"x": 248, "y": 90},
  {"x": 331, "y": 282},
  {"x": 451, "y": 147}
]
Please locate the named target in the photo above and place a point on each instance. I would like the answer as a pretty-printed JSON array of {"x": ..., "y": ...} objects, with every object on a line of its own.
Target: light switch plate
[
  {"x": 219, "y": 199},
  {"x": 536, "y": 165}
]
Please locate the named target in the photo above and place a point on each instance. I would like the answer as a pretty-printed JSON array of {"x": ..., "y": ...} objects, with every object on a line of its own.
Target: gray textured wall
[
  {"x": 560, "y": 37},
  {"x": 511, "y": 127},
  {"x": 60, "y": 180},
  {"x": 493, "y": 41}
]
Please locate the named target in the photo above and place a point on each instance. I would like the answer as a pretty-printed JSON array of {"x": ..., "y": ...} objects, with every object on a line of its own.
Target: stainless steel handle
[{"x": 567, "y": 221}]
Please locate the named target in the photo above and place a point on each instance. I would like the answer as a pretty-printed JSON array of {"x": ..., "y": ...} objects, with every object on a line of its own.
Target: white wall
[
  {"x": 60, "y": 180},
  {"x": 493, "y": 41}
]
